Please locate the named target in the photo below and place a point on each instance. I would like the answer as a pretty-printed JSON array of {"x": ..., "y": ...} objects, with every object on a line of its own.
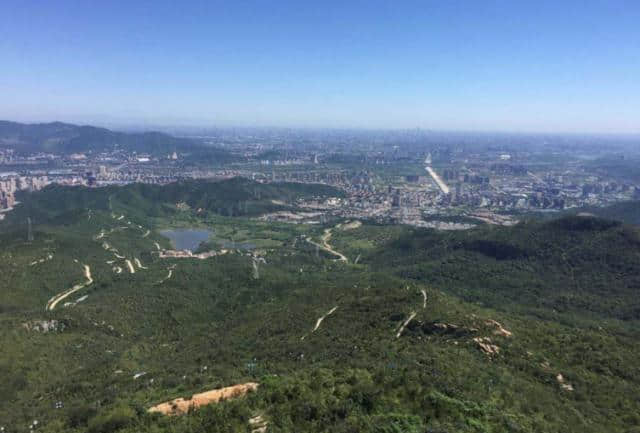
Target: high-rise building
[{"x": 7, "y": 200}]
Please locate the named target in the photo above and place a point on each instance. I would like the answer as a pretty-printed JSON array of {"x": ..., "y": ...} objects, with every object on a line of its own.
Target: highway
[{"x": 443, "y": 186}]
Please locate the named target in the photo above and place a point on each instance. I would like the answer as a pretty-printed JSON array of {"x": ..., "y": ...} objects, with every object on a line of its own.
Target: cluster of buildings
[
  {"x": 10, "y": 183},
  {"x": 400, "y": 178},
  {"x": 488, "y": 190}
]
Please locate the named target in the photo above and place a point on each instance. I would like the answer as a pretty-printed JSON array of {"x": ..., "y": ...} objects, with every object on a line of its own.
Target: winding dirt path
[
  {"x": 167, "y": 277},
  {"x": 59, "y": 297},
  {"x": 325, "y": 245},
  {"x": 138, "y": 264},
  {"x": 130, "y": 266},
  {"x": 406, "y": 322},
  {"x": 319, "y": 321}
]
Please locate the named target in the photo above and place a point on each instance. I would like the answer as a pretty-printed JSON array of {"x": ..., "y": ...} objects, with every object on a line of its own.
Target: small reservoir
[{"x": 186, "y": 239}]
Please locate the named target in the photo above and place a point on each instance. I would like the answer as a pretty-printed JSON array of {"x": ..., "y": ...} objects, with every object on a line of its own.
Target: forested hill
[
  {"x": 347, "y": 326},
  {"x": 231, "y": 197},
  {"x": 626, "y": 211},
  {"x": 58, "y": 137},
  {"x": 573, "y": 265}
]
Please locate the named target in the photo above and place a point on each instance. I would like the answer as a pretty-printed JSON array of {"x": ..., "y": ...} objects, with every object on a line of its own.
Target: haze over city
[{"x": 569, "y": 66}]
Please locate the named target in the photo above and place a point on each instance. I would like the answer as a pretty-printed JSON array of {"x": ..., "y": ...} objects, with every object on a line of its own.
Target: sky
[{"x": 529, "y": 66}]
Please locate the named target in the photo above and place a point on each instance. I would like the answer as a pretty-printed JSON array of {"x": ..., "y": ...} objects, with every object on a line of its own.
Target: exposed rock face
[
  {"x": 180, "y": 406},
  {"x": 499, "y": 329},
  {"x": 45, "y": 326},
  {"x": 563, "y": 384},
  {"x": 486, "y": 345},
  {"x": 447, "y": 329},
  {"x": 258, "y": 424}
]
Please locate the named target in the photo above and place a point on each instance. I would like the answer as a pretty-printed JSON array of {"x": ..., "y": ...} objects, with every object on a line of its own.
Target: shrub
[{"x": 112, "y": 421}]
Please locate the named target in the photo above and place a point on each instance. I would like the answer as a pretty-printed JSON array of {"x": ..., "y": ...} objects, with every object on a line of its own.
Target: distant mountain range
[{"x": 61, "y": 137}]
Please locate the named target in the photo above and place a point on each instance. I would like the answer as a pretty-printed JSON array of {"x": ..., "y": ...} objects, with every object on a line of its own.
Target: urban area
[{"x": 445, "y": 181}]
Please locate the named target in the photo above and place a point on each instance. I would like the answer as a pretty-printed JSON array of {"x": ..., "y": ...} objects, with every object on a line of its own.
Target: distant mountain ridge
[{"x": 59, "y": 137}]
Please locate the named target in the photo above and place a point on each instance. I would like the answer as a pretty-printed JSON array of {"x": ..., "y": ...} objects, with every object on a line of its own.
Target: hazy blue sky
[{"x": 490, "y": 65}]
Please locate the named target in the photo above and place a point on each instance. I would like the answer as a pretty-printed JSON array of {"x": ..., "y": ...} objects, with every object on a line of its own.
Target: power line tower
[
  {"x": 29, "y": 230},
  {"x": 256, "y": 271}
]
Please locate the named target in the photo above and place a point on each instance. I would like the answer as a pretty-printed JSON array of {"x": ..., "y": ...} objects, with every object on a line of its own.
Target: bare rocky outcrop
[
  {"x": 499, "y": 329},
  {"x": 45, "y": 326},
  {"x": 258, "y": 424},
  {"x": 447, "y": 329},
  {"x": 563, "y": 384},
  {"x": 486, "y": 345},
  {"x": 180, "y": 406},
  {"x": 45, "y": 259}
]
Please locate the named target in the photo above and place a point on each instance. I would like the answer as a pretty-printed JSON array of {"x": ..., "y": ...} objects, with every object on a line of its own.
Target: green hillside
[
  {"x": 232, "y": 197},
  {"x": 627, "y": 211},
  {"x": 555, "y": 301},
  {"x": 578, "y": 265}
]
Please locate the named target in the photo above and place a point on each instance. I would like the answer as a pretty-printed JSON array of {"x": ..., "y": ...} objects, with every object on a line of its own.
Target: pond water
[{"x": 186, "y": 239}]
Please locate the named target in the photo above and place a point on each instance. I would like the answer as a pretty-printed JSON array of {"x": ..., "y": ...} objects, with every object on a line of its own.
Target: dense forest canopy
[{"x": 386, "y": 328}]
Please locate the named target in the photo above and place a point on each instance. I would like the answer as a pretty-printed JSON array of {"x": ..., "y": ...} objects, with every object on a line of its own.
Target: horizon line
[{"x": 147, "y": 126}]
